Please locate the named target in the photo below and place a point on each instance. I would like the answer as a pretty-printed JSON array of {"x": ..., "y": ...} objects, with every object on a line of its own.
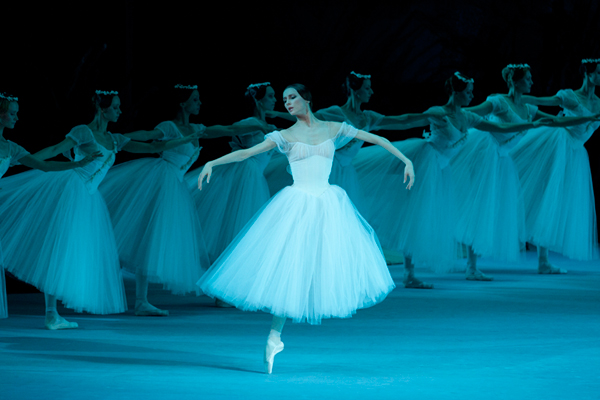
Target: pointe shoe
[
  {"x": 477, "y": 275},
  {"x": 148, "y": 310},
  {"x": 549, "y": 269},
  {"x": 222, "y": 304},
  {"x": 270, "y": 351},
  {"x": 59, "y": 323},
  {"x": 414, "y": 283}
]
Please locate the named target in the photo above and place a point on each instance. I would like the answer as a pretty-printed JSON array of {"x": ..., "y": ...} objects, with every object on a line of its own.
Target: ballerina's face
[
  {"x": 594, "y": 77},
  {"x": 268, "y": 101},
  {"x": 9, "y": 118},
  {"x": 192, "y": 105},
  {"x": 112, "y": 112},
  {"x": 524, "y": 84},
  {"x": 464, "y": 98},
  {"x": 294, "y": 103},
  {"x": 365, "y": 92}
]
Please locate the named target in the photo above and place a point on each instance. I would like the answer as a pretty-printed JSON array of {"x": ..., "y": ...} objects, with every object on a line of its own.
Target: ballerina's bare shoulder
[{"x": 318, "y": 133}]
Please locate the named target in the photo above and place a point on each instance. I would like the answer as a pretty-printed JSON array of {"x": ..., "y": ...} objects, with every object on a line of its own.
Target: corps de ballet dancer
[
  {"x": 555, "y": 175},
  {"x": 490, "y": 210},
  {"x": 307, "y": 254},
  {"x": 62, "y": 220},
  {"x": 12, "y": 154}
]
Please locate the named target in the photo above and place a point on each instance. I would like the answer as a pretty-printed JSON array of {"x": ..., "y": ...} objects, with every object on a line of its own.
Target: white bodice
[
  {"x": 572, "y": 107},
  {"x": 503, "y": 113},
  {"x": 181, "y": 157},
  {"x": 311, "y": 164},
  {"x": 251, "y": 139},
  {"x": 14, "y": 153}
]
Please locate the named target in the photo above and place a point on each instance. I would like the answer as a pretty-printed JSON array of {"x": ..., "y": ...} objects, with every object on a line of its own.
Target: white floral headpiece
[
  {"x": 462, "y": 78},
  {"x": 517, "y": 66},
  {"x": 590, "y": 60},
  {"x": 107, "y": 93},
  {"x": 195, "y": 87},
  {"x": 7, "y": 97},
  {"x": 360, "y": 75},
  {"x": 258, "y": 85}
]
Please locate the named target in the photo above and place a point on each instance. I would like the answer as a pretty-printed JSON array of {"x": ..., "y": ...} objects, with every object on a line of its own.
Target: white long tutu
[
  {"x": 3, "y": 305},
  {"x": 157, "y": 227},
  {"x": 490, "y": 211},
  {"x": 59, "y": 238}
]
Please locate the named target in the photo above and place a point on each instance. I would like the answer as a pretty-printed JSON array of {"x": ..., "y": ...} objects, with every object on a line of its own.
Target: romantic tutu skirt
[
  {"x": 235, "y": 193},
  {"x": 490, "y": 212},
  {"x": 59, "y": 238},
  {"x": 156, "y": 224},
  {"x": 304, "y": 257},
  {"x": 554, "y": 170},
  {"x": 418, "y": 222},
  {"x": 3, "y": 306}
]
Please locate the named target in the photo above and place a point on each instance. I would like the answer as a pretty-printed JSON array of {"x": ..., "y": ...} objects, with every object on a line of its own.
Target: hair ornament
[
  {"x": 107, "y": 93},
  {"x": 518, "y": 66},
  {"x": 360, "y": 75},
  {"x": 195, "y": 87},
  {"x": 462, "y": 78},
  {"x": 8, "y": 97},
  {"x": 590, "y": 60},
  {"x": 257, "y": 85}
]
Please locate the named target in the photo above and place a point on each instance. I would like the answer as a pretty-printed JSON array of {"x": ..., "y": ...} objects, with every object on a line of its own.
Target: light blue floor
[{"x": 522, "y": 336}]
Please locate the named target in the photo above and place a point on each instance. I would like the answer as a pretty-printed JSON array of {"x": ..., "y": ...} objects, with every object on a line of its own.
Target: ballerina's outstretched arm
[
  {"x": 47, "y": 166},
  {"x": 156, "y": 147},
  {"x": 409, "y": 121}
]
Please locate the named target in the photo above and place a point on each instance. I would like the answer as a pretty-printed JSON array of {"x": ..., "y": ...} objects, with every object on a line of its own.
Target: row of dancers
[{"x": 307, "y": 253}]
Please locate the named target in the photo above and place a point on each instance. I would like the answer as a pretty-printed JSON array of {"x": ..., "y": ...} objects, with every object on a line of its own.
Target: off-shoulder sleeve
[
  {"x": 472, "y": 119},
  {"x": 568, "y": 98},
  {"x": 345, "y": 135},
  {"x": 532, "y": 111},
  {"x": 333, "y": 113},
  {"x": 282, "y": 144},
  {"x": 499, "y": 105},
  {"x": 169, "y": 130},
  {"x": 373, "y": 120},
  {"x": 16, "y": 152},
  {"x": 120, "y": 140},
  {"x": 81, "y": 134},
  {"x": 198, "y": 127}
]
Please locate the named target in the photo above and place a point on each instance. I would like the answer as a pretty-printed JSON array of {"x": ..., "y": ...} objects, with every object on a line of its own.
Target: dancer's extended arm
[
  {"x": 156, "y": 147},
  {"x": 47, "y": 166}
]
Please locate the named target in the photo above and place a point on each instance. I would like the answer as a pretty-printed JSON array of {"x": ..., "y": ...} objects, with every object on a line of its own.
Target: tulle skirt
[
  {"x": 157, "y": 227},
  {"x": 3, "y": 306},
  {"x": 235, "y": 193},
  {"x": 303, "y": 257},
  {"x": 490, "y": 211},
  {"x": 419, "y": 222},
  {"x": 558, "y": 193},
  {"x": 59, "y": 238}
]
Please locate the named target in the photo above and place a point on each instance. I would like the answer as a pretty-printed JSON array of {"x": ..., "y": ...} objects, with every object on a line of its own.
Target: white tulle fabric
[
  {"x": 419, "y": 222},
  {"x": 490, "y": 211},
  {"x": 62, "y": 221},
  {"x": 157, "y": 226},
  {"x": 343, "y": 173},
  {"x": 236, "y": 192},
  {"x": 10, "y": 158},
  {"x": 555, "y": 174},
  {"x": 307, "y": 254}
]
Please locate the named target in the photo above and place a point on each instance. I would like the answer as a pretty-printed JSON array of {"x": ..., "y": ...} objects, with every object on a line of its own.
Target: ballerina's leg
[
  {"x": 53, "y": 320},
  {"x": 142, "y": 307},
  {"x": 274, "y": 343},
  {"x": 410, "y": 281},
  {"x": 473, "y": 274},
  {"x": 544, "y": 266}
]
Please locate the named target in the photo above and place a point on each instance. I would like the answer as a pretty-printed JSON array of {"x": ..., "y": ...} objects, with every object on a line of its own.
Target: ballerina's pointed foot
[
  {"x": 222, "y": 304},
  {"x": 270, "y": 351},
  {"x": 477, "y": 275},
  {"x": 57, "y": 323},
  {"x": 414, "y": 283},
  {"x": 549, "y": 269},
  {"x": 148, "y": 310}
]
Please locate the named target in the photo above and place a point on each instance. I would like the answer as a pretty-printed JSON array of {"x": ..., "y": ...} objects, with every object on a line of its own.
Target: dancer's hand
[
  {"x": 206, "y": 172},
  {"x": 409, "y": 172},
  {"x": 89, "y": 158},
  {"x": 544, "y": 121}
]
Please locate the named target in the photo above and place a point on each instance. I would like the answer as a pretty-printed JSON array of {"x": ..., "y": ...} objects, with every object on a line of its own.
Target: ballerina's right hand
[
  {"x": 206, "y": 172},
  {"x": 409, "y": 172},
  {"x": 89, "y": 158}
]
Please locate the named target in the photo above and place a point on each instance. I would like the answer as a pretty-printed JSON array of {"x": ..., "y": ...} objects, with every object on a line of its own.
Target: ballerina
[
  {"x": 554, "y": 169},
  {"x": 240, "y": 189},
  {"x": 12, "y": 154},
  {"x": 428, "y": 218},
  {"x": 490, "y": 210},
  {"x": 62, "y": 220},
  {"x": 308, "y": 254}
]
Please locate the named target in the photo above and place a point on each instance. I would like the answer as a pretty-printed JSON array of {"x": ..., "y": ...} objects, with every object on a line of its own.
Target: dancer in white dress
[
  {"x": 554, "y": 170},
  {"x": 307, "y": 254},
  {"x": 62, "y": 220},
  {"x": 13, "y": 154},
  {"x": 428, "y": 219}
]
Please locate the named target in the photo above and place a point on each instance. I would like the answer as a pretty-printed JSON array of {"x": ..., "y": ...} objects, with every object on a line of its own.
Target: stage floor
[{"x": 521, "y": 336}]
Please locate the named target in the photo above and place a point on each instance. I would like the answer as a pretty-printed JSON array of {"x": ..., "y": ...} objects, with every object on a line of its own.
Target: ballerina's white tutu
[
  {"x": 156, "y": 224},
  {"x": 490, "y": 210},
  {"x": 343, "y": 172},
  {"x": 236, "y": 192},
  {"x": 307, "y": 254},
  {"x": 57, "y": 233},
  {"x": 12, "y": 156},
  {"x": 555, "y": 174},
  {"x": 419, "y": 222}
]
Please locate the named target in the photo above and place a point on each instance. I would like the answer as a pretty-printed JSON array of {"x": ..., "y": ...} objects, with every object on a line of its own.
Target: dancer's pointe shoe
[
  {"x": 410, "y": 282},
  {"x": 549, "y": 269},
  {"x": 222, "y": 304},
  {"x": 148, "y": 310},
  {"x": 58, "y": 322},
  {"x": 477, "y": 275},
  {"x": 270, "y": 351}
]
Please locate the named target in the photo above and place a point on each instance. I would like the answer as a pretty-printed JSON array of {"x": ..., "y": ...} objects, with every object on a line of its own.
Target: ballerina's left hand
[
  {"x": 206, "y": 172},
  {"x": 409, "y": 172}
]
